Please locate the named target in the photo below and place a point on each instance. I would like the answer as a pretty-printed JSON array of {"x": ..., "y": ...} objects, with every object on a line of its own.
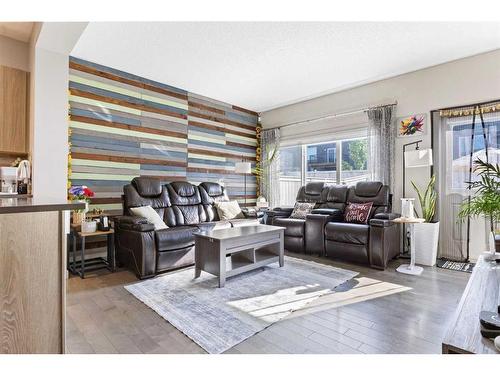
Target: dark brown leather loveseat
[
  {"x": 324, "y": 231},
  {"x": 184, "y": 207}
]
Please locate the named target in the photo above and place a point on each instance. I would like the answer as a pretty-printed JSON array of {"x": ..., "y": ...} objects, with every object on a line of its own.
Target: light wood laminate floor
[{"x": 379, "y": 312}]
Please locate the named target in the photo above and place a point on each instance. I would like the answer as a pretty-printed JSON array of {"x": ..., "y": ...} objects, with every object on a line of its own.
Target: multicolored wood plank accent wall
[{"x": 123, "y": 126}]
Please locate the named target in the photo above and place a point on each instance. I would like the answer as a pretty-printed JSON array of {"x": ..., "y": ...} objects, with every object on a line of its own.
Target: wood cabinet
[{"x": 14, "y": 91}]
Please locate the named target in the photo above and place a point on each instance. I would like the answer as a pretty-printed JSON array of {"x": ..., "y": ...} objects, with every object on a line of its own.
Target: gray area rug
[{"x": 219, "y": 318}]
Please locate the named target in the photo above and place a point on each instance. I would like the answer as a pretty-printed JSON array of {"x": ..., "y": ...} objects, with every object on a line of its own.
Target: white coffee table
[{"x": 410, "y": 269}]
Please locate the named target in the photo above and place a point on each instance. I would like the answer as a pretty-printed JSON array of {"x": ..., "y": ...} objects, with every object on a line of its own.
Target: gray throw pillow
[{"x": 301, "y": 210}]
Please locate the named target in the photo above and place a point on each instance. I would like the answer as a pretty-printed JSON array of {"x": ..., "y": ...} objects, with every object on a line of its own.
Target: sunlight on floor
[
  {"x": 273, "y": 307},
  {"x": 278, "y": 305}
]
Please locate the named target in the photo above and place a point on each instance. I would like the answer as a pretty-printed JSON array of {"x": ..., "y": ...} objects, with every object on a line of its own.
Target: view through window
[{"x": 336, "y": 162}]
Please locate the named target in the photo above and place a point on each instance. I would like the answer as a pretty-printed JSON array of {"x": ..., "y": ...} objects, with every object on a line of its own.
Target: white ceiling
[{"x": 261, "y": 66}]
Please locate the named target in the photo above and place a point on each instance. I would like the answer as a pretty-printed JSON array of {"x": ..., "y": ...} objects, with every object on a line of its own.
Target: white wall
[
  {"x": 50, "y": 59},
  {"x": 14, "y": 54},
  {"x": 470, "y": 80}
]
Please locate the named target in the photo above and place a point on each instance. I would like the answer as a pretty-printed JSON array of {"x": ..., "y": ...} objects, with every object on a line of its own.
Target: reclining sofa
[
  {"x": 325, "y": 233},
  {"x": 185, "y": 209}
]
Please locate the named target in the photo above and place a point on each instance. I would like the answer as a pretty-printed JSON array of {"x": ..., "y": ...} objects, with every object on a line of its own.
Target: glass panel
[
  {"x": 354, "y": 161},
  {"x": 290, "y": 174},
  {"x": 461, "y": 148},
  {"x": 322, "y": 163}
]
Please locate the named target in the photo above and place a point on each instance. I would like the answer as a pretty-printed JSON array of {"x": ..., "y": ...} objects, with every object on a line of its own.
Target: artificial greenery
[
  {"x": 427, "y": 200},
  {"x": 486, "y": 200},
  {"x": 261, "y": 170}
]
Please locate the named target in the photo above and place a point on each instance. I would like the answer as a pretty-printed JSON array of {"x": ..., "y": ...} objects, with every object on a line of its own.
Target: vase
[
  {"x": 78, "y": 217},
  {"x": 426, "y": 243}
]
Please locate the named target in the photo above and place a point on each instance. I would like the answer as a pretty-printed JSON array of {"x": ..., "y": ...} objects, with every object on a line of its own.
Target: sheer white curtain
[
  {"x": 381, "y": 144},
  {"x": 270, "y": 186}
]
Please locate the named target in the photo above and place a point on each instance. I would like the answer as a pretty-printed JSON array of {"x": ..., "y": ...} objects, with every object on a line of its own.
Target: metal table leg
[
  {"x": 411, "y": 269},
  {"x": 82, "y": 260}
]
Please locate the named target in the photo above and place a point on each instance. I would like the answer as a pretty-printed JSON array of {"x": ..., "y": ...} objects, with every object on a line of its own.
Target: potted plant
[
  {"x": 427, "y": 233},
  {"x": 486, "y": 200},
  {"x": 80, "y": 193}
]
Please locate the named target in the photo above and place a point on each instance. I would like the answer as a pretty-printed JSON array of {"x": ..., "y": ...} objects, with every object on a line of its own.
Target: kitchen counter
[
  {"x": 17, "y": 204},
  {"x": 33, "y": 273}
]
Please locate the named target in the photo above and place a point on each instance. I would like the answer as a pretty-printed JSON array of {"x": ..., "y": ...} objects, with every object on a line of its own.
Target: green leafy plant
[
  {"x": 486, "y": 200},
  {"x": 261, "y": 170},
  {"x": 427, "y": 200}
]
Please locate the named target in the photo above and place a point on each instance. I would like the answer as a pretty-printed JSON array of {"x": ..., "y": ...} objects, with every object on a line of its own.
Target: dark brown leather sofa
[
  {"x": 185, "y": 208},
  {"x": 295, "y": 229},
  {"x": 324, "y": 231}
]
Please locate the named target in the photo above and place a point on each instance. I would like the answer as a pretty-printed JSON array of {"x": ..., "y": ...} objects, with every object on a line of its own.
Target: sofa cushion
[
  {"x": 301, "y": 210},
  {"x": 150, "y": 215},
  {"x": 348, "y": 233},
  {"x": 293, "y": 227},
  {"x": 175, "y": 238},
  {"x": 147, "y": 187}
]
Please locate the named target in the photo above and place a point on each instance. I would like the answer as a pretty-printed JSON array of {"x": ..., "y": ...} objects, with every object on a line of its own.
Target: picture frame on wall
[{"x": 412, "y": 125}]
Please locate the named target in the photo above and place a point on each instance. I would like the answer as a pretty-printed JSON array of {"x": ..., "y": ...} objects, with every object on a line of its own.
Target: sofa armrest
[
  {"x": 277, "y": 212},
  {"x": 384, "y": 242},
  {"x": 315, "y": 232},
  {"x": 252, "y": 213},
  {"x": 282, "y": 209},
  {"x": 384, "y": 219},
  {"x": 136, "y": 249},
  {"x": 135, "y": 223},
  {"x": 334, "y": 213}
]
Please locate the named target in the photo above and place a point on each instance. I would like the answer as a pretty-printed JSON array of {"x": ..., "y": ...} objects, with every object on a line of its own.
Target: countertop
[{"x": 16, "y": 205}]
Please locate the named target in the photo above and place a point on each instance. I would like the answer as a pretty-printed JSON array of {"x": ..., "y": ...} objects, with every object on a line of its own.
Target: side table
[
  {"x": 83, "y": 265},
  {"x": 410, "y": 269}
]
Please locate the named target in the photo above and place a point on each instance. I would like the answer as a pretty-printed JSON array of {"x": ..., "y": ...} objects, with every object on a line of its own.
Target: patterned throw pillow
[
  {"x": 301, "y": 210},
  {"x": 357, "y": 212}
]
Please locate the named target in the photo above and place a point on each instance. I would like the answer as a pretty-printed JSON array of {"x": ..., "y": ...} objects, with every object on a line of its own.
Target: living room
[{"x": 288, "y": 185}]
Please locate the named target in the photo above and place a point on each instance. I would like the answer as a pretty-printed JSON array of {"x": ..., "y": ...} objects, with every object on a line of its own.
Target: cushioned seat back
[
  {"x": 145, "y": 191},
  {"x": 311, "y": 192},
  {"x": 334, "y": 196},
  {"x": 212, "y": 192},
  {"x": 186, "y": 207},
  {"x": 370, "y": 191}
]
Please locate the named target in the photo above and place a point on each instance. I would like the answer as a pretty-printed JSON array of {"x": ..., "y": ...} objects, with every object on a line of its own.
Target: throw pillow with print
[
  {"x": 357, "y": 212},
  {"x": 301, "y": 210}
]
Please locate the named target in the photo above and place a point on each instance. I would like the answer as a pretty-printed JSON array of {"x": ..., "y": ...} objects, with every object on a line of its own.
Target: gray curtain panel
[
  {"x": 270, "y": 184},
  {"x": 381, "y": 144}
]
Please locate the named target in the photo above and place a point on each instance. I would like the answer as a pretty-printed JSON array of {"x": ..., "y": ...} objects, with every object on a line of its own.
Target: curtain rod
[{"x": 333, "y": 115}]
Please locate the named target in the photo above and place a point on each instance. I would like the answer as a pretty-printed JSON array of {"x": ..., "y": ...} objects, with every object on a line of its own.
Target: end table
[
  {"x": 410, "y": 269},
  {"x": 83, "y": 265}
]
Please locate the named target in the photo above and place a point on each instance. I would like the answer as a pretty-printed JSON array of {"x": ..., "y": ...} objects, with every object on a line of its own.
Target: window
[
  {"x": 336, "y": 162},
  {"x": 324, "y": 167},
  {"x": 461, "y": 134},
  {"x": 290, "y": 174},
  {"x": 354, "y": 161}
]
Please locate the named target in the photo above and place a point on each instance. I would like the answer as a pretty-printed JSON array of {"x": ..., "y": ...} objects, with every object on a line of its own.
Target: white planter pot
[{"x": 426, "y": 243}]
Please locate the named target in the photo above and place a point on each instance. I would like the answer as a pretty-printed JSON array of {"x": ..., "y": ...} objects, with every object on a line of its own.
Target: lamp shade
[
  {"x": 243, "y": 167},
  {"x": 418, "y": 158}
]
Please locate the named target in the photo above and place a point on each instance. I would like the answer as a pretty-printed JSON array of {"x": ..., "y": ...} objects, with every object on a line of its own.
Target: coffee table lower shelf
[{"x": 230, "y": 256}]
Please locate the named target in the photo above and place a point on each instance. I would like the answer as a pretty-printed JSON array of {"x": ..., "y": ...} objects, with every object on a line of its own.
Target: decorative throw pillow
[
  {"x": 229, "y": 210},
  {"x": 150, "y": 215},
  {"x": 301, "y": 210},
  {"x": 357, "y": 212}
]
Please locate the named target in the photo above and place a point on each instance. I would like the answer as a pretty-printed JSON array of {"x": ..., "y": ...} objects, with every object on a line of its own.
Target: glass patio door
[{"x": 455, "y": 140}]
